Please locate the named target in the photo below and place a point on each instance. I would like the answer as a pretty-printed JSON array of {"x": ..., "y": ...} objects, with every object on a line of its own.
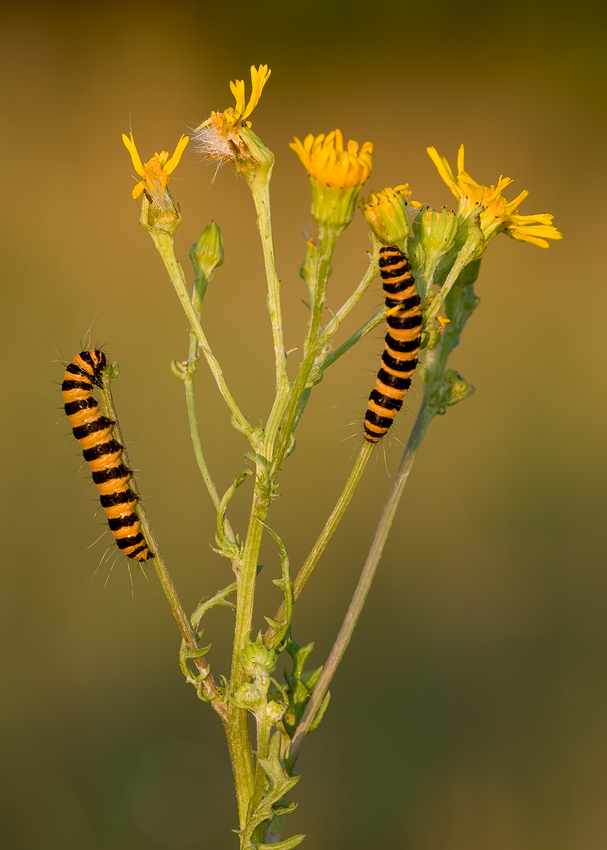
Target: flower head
[
  {"x": 326, "y": 161},
  {"x": 388, "y": 213},
  {"x": 155, "y": 172},
  {"x": 497, "y": 214},
  {"x": 336, "y": 175},
  {"x": 223, "y": 137}
]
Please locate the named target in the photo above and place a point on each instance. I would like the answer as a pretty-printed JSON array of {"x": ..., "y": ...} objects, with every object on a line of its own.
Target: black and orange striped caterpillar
[
  {"x": 403, "y": 339},
  {"x": 102, "y": 452}
]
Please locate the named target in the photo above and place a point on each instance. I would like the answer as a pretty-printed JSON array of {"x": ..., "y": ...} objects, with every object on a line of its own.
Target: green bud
[
  {"x": 459, "y": 388},
  {"x": 248, "y": 696},
  {"x": 436, "y": 230},
  {"x": 387, "y": 213},
  {"x": 451, "y": 390},
  {"x": 207, "y": 253},
  {"x": 257, "y": 658},
  {"x": 434, "y": 236},
  {"x": 275, "y": 710},
  {"x": 112, "y": 370}
]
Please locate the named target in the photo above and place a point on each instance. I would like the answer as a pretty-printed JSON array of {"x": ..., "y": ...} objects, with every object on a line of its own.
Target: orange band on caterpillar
[
  {"x": 102, "y": 452},
  {"x": 403, "y": 339}
]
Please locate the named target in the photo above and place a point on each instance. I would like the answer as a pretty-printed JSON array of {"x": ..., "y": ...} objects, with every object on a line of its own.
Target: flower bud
[
  {"x": 451, "y": 390},
  {"x": 459, "y": 388},
  {"x": 256, "y": 658},
  {"x": 436, "y": 230},
  {"x": 388, "y": 214},
  {"x": 207, "y": 253},
  {"x": 275, "y": 710},
  {"x": 248, "y": 696}
]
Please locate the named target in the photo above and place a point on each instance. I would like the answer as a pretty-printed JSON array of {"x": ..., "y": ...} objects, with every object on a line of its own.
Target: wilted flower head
[
  {"x": 223, "y": 137},
  {"x": 155, "y": 172},
  {"x": 497, "y": 214}
]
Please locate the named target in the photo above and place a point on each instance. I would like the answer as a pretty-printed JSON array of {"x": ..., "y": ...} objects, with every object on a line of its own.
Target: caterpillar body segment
[
  {"x": 102, "y": 452},
  {"x": 404, "y": 318}
]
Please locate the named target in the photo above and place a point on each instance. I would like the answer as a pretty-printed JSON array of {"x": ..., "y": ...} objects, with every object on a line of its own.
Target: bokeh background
[{"x": 471, "y": 709}]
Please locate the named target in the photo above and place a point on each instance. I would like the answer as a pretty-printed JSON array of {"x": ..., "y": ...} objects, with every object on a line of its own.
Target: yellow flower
[
  {"x": 156, "y": 171},
  {"x": 336, "y": 175},
  {"x": 498, "y": 215},
  {"x": 387, "y": 213},
  {"x": 259, "y": 77},
  {"x": 221, "y": 136},
  {"x": 325, "y": 159}
]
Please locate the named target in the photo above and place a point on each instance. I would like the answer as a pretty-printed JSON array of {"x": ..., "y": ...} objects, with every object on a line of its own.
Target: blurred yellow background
[{"x": 470, "y": 711}]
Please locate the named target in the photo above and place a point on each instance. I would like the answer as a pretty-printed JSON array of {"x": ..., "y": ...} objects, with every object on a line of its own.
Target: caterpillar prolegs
[
  {"x": 102, "y": 452},
  {"x": 403, "y": 339}
]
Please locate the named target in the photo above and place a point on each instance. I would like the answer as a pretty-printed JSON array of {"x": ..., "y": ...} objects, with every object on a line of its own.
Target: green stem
[
  {"x": 196, "y": 444},
  {"x": 425, "y": 416},
  {"x": 237, "y": 728},
  {"x": 368, "y": 278},
  {"x": 331, "y": 329},
  {"x": 331, "y": 525},
  {"x": 239, "y": 746},
  {"x": 246, "y": 573},
  {"x": 164, "y": 246},
  {"x": 200, "y": 285},
  {"x": 468, "y": 250},
  {"x": 374, "y": 321},
  {"x": 260, "y": 190},
  {"x": 318, "y": 286},
  {"x": 187, "y": 634}
]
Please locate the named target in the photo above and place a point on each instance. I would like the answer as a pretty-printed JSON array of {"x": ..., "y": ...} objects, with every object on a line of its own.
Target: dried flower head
[{"x": 222, "y": 137}]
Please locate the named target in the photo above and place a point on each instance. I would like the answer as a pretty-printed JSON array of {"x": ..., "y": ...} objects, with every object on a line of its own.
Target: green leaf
[
  {"x": 286, "y": 586},
  {"x": 279, "y": 784},
  {"x": 321, "y": 711},
  {"x": 287, "y": 844},
  {"x": 225, "y": 546},
  {"x": 217, "y": 601}
]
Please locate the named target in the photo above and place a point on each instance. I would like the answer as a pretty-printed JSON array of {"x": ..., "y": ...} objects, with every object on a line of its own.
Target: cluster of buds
[{"x": 258, "y": 663}]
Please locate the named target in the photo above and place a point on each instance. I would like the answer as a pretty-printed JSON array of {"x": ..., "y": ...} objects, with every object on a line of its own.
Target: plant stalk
[{"x": 424, "y": 417}]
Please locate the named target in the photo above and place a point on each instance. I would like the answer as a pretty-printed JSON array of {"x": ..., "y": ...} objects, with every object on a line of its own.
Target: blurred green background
[{"x": 470, "y": 711}]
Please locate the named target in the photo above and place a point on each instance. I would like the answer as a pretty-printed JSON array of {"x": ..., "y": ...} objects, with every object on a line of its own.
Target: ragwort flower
[
  {"x": 155, "y": 172},
  {"x": 336, "y": 175},
  {"x": 497, "y": 214}
]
